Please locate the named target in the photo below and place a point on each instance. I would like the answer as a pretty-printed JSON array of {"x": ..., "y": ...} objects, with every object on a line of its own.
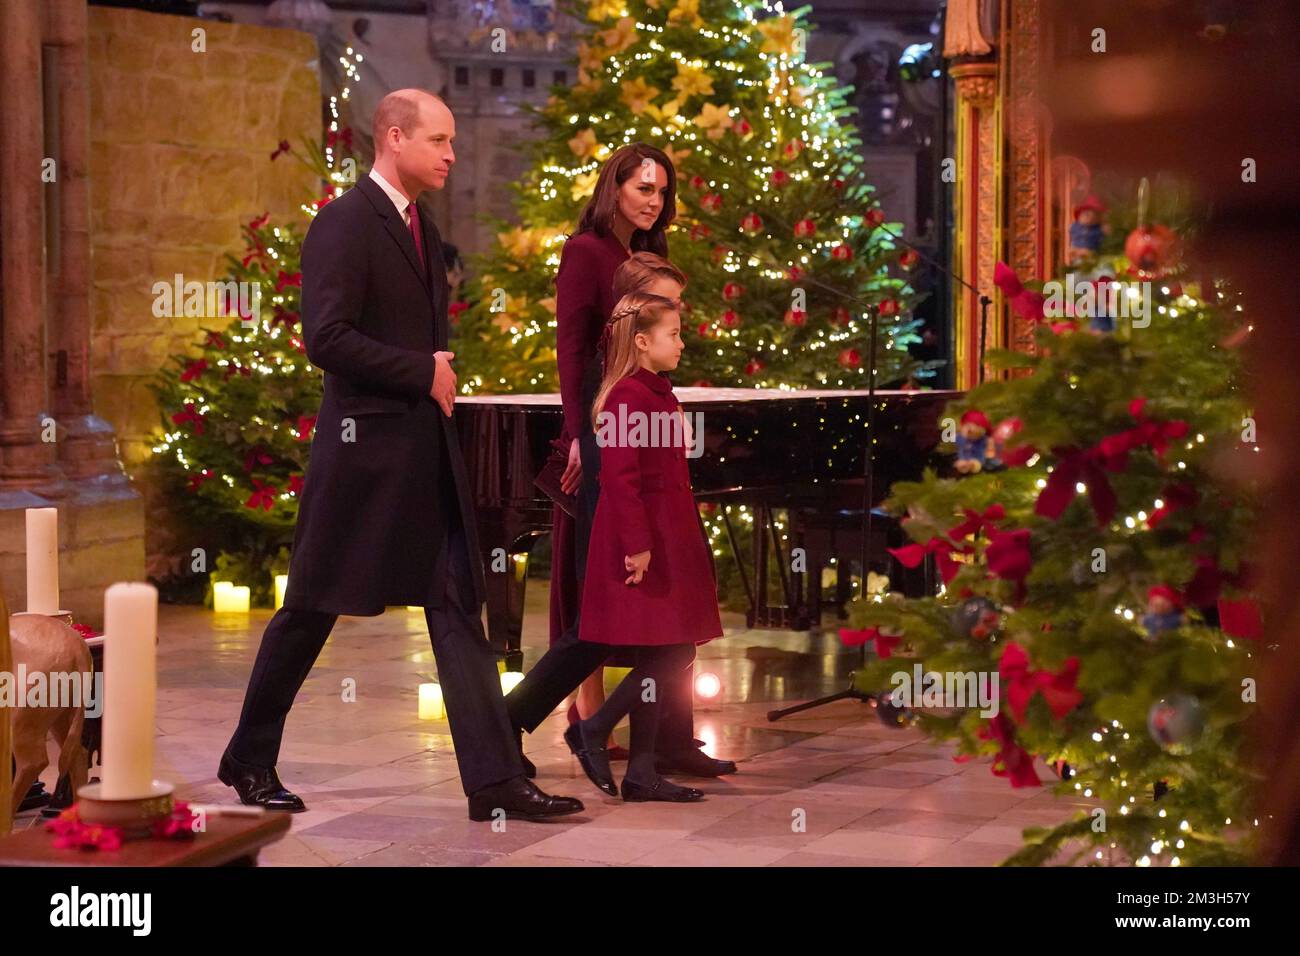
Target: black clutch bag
[{"x": 548, "y": 479}]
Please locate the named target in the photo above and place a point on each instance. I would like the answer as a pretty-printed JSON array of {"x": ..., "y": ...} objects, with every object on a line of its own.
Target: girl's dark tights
[{"x": 637, "y": 697}]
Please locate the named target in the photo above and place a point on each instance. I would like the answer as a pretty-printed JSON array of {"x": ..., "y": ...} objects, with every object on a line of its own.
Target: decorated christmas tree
[
  {"x": 779, "y": 231},
  {"x": 1093, "y": 548}
]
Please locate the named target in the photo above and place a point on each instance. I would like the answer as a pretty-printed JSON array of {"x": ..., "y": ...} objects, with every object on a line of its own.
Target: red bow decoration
[
  {"x": 1071, "y": 466},
  {"x": 259, "y": 222},
  {"x": 194, "y": 370},
  {"x": 975, "y": 521},
  {"x": 281, "y": 315},
  {"x": 1024, "y": 302},
  {"x": 1158, "y": 435},
  {"x": 199, "y": 478},
  {"x": 1012, "y": 761},
  {"x": 256, "y": 456},
  {"x": 885, "y": 643},
  {"x": 1023, "y": 682},
  {"x": 344, "y": 136},
  {"x": 262, "y": 497},
  {"x": 305, "y": 425},
  {"x": 189, "y": 415},
  {"x": 215, "y": 340},
  {"x": 1173, "y": 496},
  {"x": 911, "y": 555},
  {"x": 283, "y": 147},
  {"x": 284, "y": 279},
  {"x": 1009, "y": 557},
  {"x": 295, "y": 483}
]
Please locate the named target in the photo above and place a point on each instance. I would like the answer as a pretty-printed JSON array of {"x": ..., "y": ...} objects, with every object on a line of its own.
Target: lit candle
[
  {"x": 42, "y": 560},
  {"x": 130, "y": 687},
  {"x": 230, "y": 598},
  {"x": 281, "y": 585},
  {"x": 509, "y": 680},
  {"x": 431, "y": 702}
]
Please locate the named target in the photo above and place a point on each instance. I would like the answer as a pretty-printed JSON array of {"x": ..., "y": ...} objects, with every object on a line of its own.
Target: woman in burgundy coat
[{"x": 649, "y": 582}]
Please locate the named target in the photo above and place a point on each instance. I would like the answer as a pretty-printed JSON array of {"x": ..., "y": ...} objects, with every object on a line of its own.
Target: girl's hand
[
  {"x": 637, "y": 564},
  {"x": 572, "y": 476}
]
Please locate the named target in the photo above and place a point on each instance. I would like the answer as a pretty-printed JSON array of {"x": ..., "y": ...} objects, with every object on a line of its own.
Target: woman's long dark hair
[{"x": 598, "y": 216}]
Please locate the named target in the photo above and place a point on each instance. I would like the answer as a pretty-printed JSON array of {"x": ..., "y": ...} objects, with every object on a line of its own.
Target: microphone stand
[{"x": 868, "y": 470}]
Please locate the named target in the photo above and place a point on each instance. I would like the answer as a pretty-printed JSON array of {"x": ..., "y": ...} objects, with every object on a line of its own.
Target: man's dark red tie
[{"x": 419, "y": 242}]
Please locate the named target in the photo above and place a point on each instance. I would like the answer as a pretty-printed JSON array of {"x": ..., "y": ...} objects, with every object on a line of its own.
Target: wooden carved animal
[{"x": 49, "y": 646}]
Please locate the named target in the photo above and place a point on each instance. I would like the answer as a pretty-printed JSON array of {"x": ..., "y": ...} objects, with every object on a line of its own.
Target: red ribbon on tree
[
  {"x": 189, "y": 415},
  {"x": 262, "y": 497},
  {"x": 911, "y": 555},
  {"x": 1009, "y": 557},
  {"x": 1023, "y": 682},
  {"x": 977, "y": 521},
  {"x": 194, "y": 370},
  {"x": 1013, "y": 761},
  {"x": 885, "y": 643}
]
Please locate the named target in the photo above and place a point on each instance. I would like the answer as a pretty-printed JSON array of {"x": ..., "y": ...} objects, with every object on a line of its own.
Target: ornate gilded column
[
  {"x": 976, "y": 207},
  {"x": 1027, "y": 245},
  {"x": 26, "y": 462}
]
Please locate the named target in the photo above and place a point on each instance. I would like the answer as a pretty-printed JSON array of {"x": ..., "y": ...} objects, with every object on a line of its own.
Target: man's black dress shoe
[
  {"x": 258, "y": 786},
  {"x": 520, "y": 799},
  {"x": 662, "y": 790},
  {"x": 693, "y": 763},
  {"x": 530, "y": 768},
  {"x": 595, "y": 763}
]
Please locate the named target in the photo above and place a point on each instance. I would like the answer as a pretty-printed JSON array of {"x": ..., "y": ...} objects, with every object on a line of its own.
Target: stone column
[
  {"x": 87, "y": 444},
  {"x": 26, "y": 462}
]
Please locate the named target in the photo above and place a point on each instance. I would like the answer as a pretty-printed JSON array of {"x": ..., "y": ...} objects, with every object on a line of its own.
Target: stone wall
[{"x": 181, "y": 144}]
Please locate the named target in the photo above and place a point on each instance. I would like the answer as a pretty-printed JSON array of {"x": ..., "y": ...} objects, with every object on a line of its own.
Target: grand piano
[{"x": 769, "y": 449}]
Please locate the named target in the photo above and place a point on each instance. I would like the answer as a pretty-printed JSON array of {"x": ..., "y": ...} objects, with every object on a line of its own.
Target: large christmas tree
[
  {"x": 778, "y": 229},
  {"x": 1098, "y": 569}
]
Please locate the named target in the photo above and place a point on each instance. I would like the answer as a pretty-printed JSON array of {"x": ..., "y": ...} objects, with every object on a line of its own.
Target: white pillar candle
[
  {"x": 281, "y": 585},
  {"x": 130, "y": 689},
  {"x": 43, "y": 560},
  {"x": 431, "y": 707}
]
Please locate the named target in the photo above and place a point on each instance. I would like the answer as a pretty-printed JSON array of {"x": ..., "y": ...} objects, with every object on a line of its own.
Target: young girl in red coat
[{"x": 650, "y": 582}]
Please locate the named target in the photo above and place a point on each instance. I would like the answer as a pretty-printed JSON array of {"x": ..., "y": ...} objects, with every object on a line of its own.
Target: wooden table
[{"x": 227, "y": 841}]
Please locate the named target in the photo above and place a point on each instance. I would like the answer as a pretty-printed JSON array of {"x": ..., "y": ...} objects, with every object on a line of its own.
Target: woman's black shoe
[
  {"x": 662, "y": 790},
  {"x": 595, "y": 763}
]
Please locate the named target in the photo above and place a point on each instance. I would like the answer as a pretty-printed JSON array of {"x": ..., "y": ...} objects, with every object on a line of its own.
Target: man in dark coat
[{"x": 386, "y": 516}]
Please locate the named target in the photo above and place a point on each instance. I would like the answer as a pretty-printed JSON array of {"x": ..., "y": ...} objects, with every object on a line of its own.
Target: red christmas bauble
[
  {"x": 842, "y": 316},
  {"x": 842, "y": 252},
  {"x": 741, "y": 127},
  {"x": 699, "y": 231},
  {"x": 1152, "y": 249},
  {"x": 730, "y": 319},
  {"x": 732, "y": 290},
  {"x": 719, "y": 253},
  {"x": 698, "y": 182},
  {"x": 752, "y": 222},
  {"x": 793, "y": 148},
  {"x": 805, "y": 227},
  {"x": 908, "y": 258},
  {"x": 753, "y": 367},
  {"x": 850, "y": 358},
  {"x": 889, "y": 307},
  {"x": 711, "y": 202},
  {"x": 794, "y": 273},
  {"x": 780, "y": 177},
  {"x": 703, "y": 330},
  {"x": 873, "y": 218},
  {"x": 795, "y": 317}
]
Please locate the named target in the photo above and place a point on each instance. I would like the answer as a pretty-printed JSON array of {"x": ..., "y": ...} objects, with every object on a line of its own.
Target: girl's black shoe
[
  {"x": 662, "y": 790},
  {"x": 595, "y": 763}
]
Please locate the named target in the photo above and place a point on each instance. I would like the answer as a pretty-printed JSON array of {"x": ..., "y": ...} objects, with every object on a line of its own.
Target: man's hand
[
  {"x": 637, "y": 564},
  {"x": 444, "y": 381},
  {"x": 572, "y": 476}
]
